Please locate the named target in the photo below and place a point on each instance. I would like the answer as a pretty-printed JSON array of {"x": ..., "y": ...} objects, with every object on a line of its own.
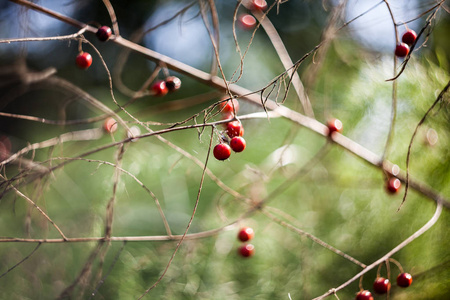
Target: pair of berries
[
  {"x": 222, "y": 151},
  {"x": 162, "y": 87},
  {"x": 234, "y": 130},
  {"x": 382, "y": 286},
  {"x": 84, "y": 59},
  {"x": 247, "y": 21},
  {"x": 244, "y": 235},
  {"x": 408, "y": 38}
]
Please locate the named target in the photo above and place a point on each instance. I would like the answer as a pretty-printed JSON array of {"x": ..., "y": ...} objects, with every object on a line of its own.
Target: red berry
[
  {"x": 334, "y": 125},
  {"x": 409, "y": 37},
  {"x": 5, "y": 147},
  {"x": 404, "y": 279},
  {"x": 245, "y": 234},
  {"x": 227, "y": 106},
  {"x": 364, "y": 295},
  {"x": 246, "y": 250},
  {"x": 104, "y": 33},
  {"x": 401, "y": 50},
  {"x": 258, "y": 5},
  {"x": 159, "y": 88},
  {"x": 381, "y": 285},
  {"x": 222, "y": 151},
  {"x": 247, "y": 21},
  {"x": 235, "y": 128},
  {"x": 173, "y": 83},
  {"x": 237, "y": 144},
  {"x": 393, "y": 185},
  {"x": 84, "y": 60},
  {"x": 110, "y": 125}
]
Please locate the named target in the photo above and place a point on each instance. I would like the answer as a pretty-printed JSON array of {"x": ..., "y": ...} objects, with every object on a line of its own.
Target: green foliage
[{"x": 340, "y": 199}]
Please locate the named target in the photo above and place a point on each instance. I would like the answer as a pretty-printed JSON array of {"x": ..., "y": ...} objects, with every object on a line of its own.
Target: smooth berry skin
[
  {"x": 246, "y": 250},
  {"x": 110, "y": 125},
  {"x": 234, "y": 129},
  {"x": 393, "y": 185},
  {"x": 401, "y": 50},
  {"x": 84, "y": 60},
  {"x": 381, "y": 285},
  {"x": 246, "y": 234},
  {"x": 409, "y": 37},
  {"x": 237, "y": 144},
  {"x": 404, "y": 280},
  {"x": 173, "y": 83},
  {"x": 103, "y": 33},
  {"x": 227, "y": 106},
  {"x": 334, "y": 125},
  {"x": 159, "y": 88},
  {"x": 364, "y": 295},
  {"x": 222, "y": 151},
  {"x": 247, "y": 21},
  {"x": 258, "y": 5}
]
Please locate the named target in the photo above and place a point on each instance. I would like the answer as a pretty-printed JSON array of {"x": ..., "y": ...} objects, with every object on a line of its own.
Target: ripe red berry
[
  {"x": 381, "y": 285},
  {"x": 84, "y": 60},
  {"x": 258, "y": 5},
  {"x": 104, "y": 33},
  {"x": 173, "y": 83},
  {"x": 364, "y": 295},
  {"x": 110, "y": 125},
  {"x": 159, "y": 88},
  {"x": 227, "y": 106},
  {"x": 393, "y": 185},
  {"x": 235, "y": 128},
  {"x": 247, "y": 21},
  {"x": 404, "y": 279},
  {"x": 401, "y": 50},
  {"x": 246, "y": 234},
  {"x": 237, "y": 144},
  {"x": 246, "y": 250},
  {"x": 409, "y": 37},
  {"x": 334, "y": 125},
  {"x": 222, "y": 151}
]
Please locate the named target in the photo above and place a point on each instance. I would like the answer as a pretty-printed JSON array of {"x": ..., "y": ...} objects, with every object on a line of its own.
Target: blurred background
[{"x": 340, "y": 199}]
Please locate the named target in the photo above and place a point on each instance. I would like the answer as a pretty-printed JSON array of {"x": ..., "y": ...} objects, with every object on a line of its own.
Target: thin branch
[
  {"x": 400, "y": 246},
  {"x": 408, "y": 155},
  {"x": 190, "y": 221},
  {"x": 23, "y": 260}
]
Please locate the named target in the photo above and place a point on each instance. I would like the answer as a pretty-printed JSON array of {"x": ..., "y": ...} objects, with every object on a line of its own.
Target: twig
[{"x": 414, "y": 236}]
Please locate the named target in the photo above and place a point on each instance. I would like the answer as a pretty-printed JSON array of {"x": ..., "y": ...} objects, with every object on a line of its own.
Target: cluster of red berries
[
  {"x": 408, "y": 38},
  {"x": 247, "y": 21},
  {"x": 84, "y": 59},
  {"x": 382, "y": 286},
  {"x": 234, "y": 130},
  {"x": 162, "y": 87},
  {"x": 244, "y": 235}
]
